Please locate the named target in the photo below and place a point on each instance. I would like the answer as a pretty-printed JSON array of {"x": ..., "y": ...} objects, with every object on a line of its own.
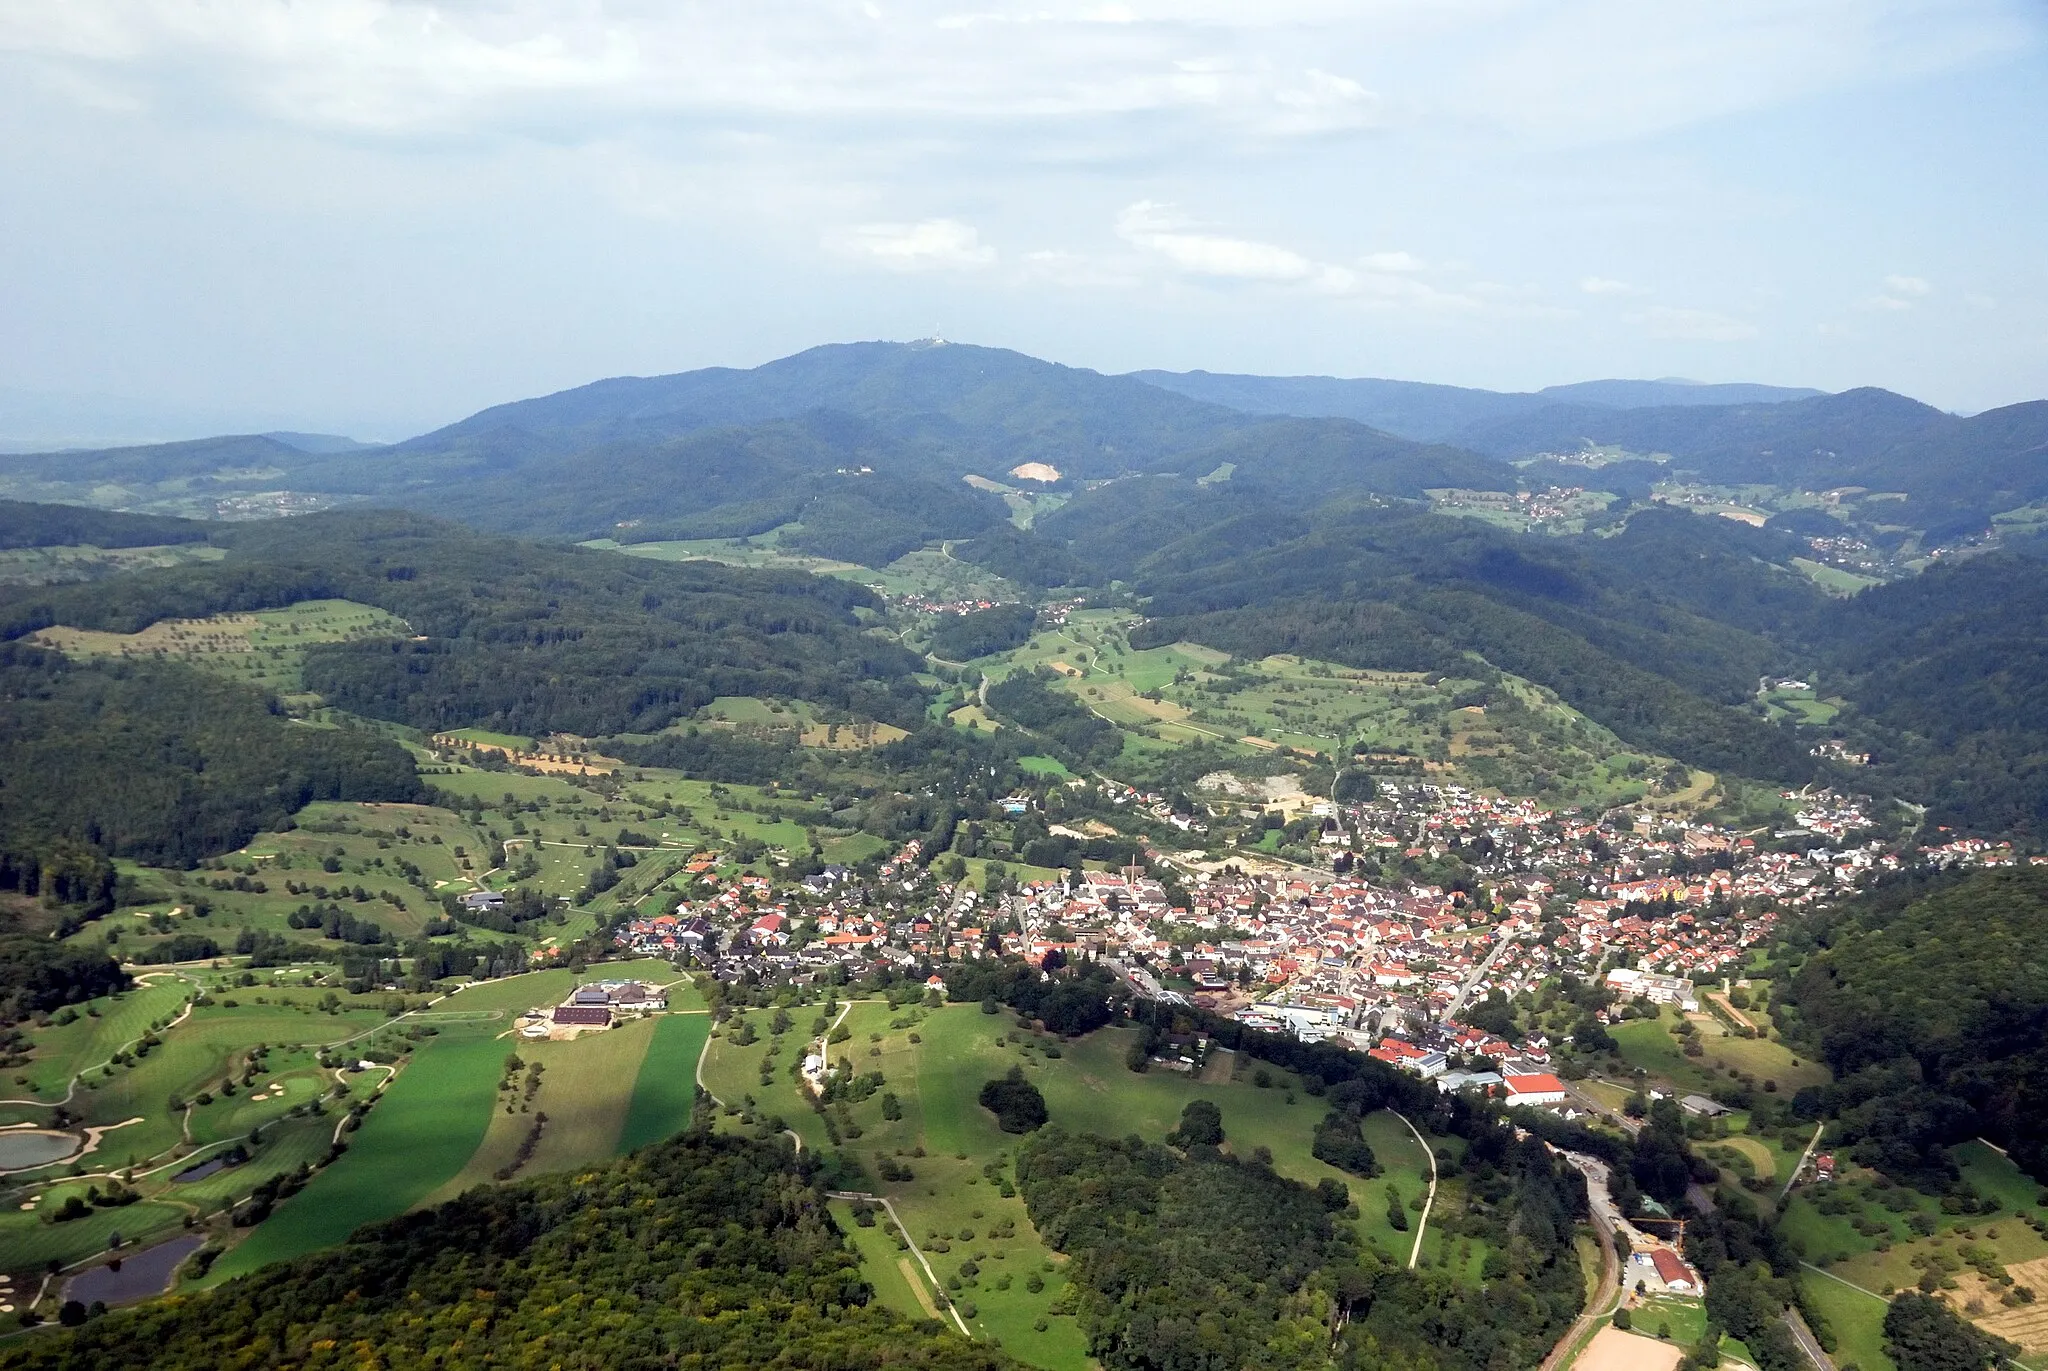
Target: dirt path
[
  {"x": 915, "y": 1250},
  {"x": 1731, "y": 1011},
  {"x": 916, "y": 1284},
  {"x": 1422, "y": 1227}
]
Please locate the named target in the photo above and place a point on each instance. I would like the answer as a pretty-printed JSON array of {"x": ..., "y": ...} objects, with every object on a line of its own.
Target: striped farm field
[
  {"x": 666, "y": 1088},
  {"x": 421, "y": 1133}
]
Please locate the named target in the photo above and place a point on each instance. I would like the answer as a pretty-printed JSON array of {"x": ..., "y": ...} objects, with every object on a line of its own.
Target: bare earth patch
[
  {"x": 1036, "y": 471},
  {"x": 1614, "y": 1350}
]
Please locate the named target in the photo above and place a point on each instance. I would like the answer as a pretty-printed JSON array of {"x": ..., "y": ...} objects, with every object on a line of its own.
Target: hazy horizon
[{"x": 373, "y": 217}]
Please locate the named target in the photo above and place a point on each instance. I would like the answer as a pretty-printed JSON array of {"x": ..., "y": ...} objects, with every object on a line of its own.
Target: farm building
[
  {"x": 583, "y": 1016},
  {"x": 1672, "y": 1270}
]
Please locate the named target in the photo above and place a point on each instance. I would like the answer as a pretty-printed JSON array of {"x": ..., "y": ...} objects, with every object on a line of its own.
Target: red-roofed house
[
  {"x": 1536, "y": 1088},
  {"x": 1671, "y": 1270}
]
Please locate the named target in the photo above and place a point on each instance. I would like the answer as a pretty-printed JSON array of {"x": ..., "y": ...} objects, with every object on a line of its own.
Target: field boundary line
[{"x": 1859, "y": 1289}]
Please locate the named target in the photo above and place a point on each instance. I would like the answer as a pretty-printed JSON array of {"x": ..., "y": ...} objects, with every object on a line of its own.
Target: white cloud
[
  {"x": 1694, "y": 325},
  {"x": 1593, "y": 69},
  {"x": 1158, "y": 229},
  {"x": 1602, "y": 285},
  {"x": 1900, "y": 293},
  {"x": 928, "y": 245},
  {"x": 1379, "y": 279}
]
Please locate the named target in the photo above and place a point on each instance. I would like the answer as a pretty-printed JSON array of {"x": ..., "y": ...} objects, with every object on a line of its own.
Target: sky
[{"x": 375, "y": 216}]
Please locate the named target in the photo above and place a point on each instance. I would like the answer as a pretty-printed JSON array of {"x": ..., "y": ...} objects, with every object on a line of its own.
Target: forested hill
[
  {"x": 25, "y": 524},
  {"x": 701, "y": 1251},
  {"x": 524, "y": 637},
  {"x": 1929, "y": 1000},
  {"x": 1440, "y": 413}
]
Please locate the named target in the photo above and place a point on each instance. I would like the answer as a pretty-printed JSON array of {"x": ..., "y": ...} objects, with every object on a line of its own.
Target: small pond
[
  {"x": 142, "y": 1274},
  {"x": 24, "y": 1147},
  {"x": 200, "y": 1172}
]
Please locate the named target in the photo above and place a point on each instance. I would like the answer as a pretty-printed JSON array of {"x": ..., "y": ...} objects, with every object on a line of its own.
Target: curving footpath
[{"x": 1415, "y": 1253}]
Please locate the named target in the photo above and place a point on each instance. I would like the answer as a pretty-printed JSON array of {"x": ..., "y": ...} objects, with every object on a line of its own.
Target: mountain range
[{"x": 1264, "y": 532}]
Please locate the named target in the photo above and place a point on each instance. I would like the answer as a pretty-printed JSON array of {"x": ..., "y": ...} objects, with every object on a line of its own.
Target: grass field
[
  {"x": 1856, "y": 1318},
  {"x": 1883, "y": 1253},
  {"x": 421, "y": 1133},
  {"x": 960, "y": 1158},
  {"x": 103, "y": 1027},
  {"x": 266, "y": 648},
  {"x": 666, "y": 1087}
]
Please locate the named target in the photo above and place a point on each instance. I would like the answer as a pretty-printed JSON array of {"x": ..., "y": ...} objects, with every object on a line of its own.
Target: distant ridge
[{"x": 1430, "y": 413}]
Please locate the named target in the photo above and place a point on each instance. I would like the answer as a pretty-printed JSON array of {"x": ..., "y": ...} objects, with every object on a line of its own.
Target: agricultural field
[
  {"x": 808, "y": 724},
  {"x": 265, "y": 648},
  {"x": 1512, "y": 737},
  {"x": 934, "y": 1061},
  {"x": 1878, "y": 1237},
  {"x": 422, "y": 1132},
  {"x": 390, "y": 865},
  {"x": 49, "y": 566}
]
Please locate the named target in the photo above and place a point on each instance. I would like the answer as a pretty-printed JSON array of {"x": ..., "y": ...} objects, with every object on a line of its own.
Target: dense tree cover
[
  {"x": 37, "y": 976},
  {"x": 1079, "y": 1000},
  {"x": 1016, "y": 1102},
  {"x": 1921, "y": 1333},
  {"x": 520, "y": 637},
  {"x": 702, "y": 1251},
  {"x": 32, "y": 525},
  {"x": 1201, "y": 1125},
  {"x": 1661, "y": 1161},
  {"x": 1214, "y": 1263},
  {"x": 1032, "y": 701},
  {"x": 1525, "y": 1204},
  {"x": 161, "y": 763},
  {"x": 1184, "y": 1264},
  {"x": 1929, "y": 1001},
  {"x": 1947, "y": 674},
  {"x": 961, "y": 637},
  {"x": 1339, "y": 1143},
  {"x": 1018, "y": 557}
]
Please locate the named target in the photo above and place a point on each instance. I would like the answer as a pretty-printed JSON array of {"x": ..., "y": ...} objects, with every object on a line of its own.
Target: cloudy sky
[{"x": 374, "y": 216}]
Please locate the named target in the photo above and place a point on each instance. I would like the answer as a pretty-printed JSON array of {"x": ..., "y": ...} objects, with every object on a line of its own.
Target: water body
[
  {"x": 141, "y": 1275},
  {"x": 24, "y": 1147},
  {"x": 201, "y": 1171}
]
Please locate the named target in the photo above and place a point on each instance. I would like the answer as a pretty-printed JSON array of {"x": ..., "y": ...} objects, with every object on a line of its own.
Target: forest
[
  {"x": 700, "y": 1251},
  {"x": 520, "y": 637},
  {"x": 157, "y": 762},
  {"x": 1928, "y": 998}
]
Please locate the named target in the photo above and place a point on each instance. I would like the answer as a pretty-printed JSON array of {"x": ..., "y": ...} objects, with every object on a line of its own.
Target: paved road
[
  {"x": 1803, "y": 1335},
  {"x": 1471, "y": 982},
  {"x": 1811, "y": 1143},
  {"x": 1601, "y": 1205}
]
